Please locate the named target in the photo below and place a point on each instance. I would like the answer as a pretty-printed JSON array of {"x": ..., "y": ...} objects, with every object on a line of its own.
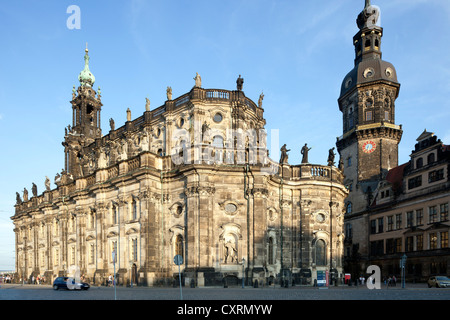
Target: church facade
[{"x": 191, "y": 178}]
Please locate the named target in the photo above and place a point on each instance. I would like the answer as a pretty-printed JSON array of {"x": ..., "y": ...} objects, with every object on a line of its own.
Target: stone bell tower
[
  {"x": 369, "y": 144},
  {"x": 86, "y": 126}
]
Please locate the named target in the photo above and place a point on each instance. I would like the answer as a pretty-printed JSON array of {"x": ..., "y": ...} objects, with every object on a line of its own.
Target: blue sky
[{"x": 296, "y": 52}]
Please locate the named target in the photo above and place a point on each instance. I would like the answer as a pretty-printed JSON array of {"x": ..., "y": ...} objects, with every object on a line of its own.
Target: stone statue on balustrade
[
  {"x": 304, "y": 152},
  {"x": 331, "y": 155},
  {"x": 25, "y": 194},
  {"x": 198, "y": 80},
  {"x": 47, "y": 183},
  {"x": 34, "y": 190},
  {"x": 169, "y": 93},
  {"x": 260, "y": 100},
  {"x": 284, "y": 155},
  {"x": 18, "y": 200},
  {"x": 239, "y": 83}
]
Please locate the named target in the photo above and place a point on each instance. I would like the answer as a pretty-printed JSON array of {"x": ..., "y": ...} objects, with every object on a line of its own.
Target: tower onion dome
[
  {"x": 85, "y": 77},
  {"x": 369, "y": 65}
]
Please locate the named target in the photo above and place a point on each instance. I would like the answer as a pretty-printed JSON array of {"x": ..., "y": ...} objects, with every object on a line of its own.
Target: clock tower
[{"x": 368, "y": 146}]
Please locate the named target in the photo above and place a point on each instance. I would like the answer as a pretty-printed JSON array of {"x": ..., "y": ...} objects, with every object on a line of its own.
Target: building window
[
  {"x": 435, "y": 175},
  {"x": 419, "y": 242},
  {"x": 377, "y": 248},
  {"x": 321, "y": 253},
  {"x": 419, "y": 217},
  {"x": 415, "y": 182},
  {"x": 398, "y": 221},
  {"x": 369, "y": 116},
  {"x": 386, "y": 115},
  {"x": 349, "y": 161},
  {"x": 444, "y": 212},
  {"x": 348, "y": 231},
  {"x": 134, "y": 210},
  {"x": 444, "y": 239},
  {"x": 419, "y": 163},
  {"x": 409, "y": 219},
  {"x": 409, "y": 244},
  {"x": 349, "y": 207},
  {"x": 373, "y": 226},
  {"x": 390, "y": 223},
  {"x": 398, "y": 245},
  {"x": 432, "y": 214},
  {"x": 430, "y": 158},
  {"x": 380, "y": 225},
  {"x": 433, "y": 240},
  {"x": 390, "y": 246}
]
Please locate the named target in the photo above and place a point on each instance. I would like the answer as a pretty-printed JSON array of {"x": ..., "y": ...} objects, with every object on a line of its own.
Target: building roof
[{"x": 395, "y": 176}]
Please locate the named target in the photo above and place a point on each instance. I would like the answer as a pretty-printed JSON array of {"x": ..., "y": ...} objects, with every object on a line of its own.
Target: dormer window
[
  {"x": 419, "y": 163},
  {"x": 430, "y": 158}
]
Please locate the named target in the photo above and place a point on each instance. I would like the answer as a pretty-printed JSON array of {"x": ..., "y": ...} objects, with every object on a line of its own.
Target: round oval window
[
  {"x": 217, "y": 117},
  {"x": 230, "y": 208}
]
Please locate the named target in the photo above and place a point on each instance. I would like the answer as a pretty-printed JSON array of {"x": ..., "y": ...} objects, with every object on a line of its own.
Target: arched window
[
  {"x": 217, "y": 142},
  {"x": 430, "y": 158},
  {"x": 321, "y": 259},
  {"x": 134, "y": 210},
  {"x": 349, "y": 207},
  {"x": 419, "y": 163}
]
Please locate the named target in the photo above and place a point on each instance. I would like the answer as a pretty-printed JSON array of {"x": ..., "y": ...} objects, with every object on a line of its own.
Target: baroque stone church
[{"x": 191, "y": 178}]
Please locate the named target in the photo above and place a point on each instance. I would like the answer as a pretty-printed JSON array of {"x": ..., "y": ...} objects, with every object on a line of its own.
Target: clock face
[{"x": 368, "y": 146}]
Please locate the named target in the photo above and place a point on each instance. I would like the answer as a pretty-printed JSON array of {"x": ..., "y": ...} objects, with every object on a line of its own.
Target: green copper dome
[{"x": 86, "y": 78}]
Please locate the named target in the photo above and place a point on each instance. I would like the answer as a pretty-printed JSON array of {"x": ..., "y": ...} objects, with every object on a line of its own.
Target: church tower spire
[
  {"x": 86, "y": 125},
  {"x": 85, "y": 77},
  {"x": 369, "y": 143}
]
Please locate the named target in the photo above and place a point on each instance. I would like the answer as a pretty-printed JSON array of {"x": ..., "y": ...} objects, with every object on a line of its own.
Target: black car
[{"x": 69, "y": 283}]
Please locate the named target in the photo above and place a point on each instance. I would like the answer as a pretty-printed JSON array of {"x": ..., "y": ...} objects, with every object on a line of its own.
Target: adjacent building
[{"x": 392, "y": 210}]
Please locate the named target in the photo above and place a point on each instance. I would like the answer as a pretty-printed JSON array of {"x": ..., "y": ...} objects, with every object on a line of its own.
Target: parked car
[
  {"x": 61, "y": 283},
  {"x": 439, "y": 282}
]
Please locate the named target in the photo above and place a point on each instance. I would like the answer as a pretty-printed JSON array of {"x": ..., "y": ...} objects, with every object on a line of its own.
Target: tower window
[
  {"x": 386, "y": 115},
  {"x": 367, "y": 45},
  {"x": 369, "y": 115}
]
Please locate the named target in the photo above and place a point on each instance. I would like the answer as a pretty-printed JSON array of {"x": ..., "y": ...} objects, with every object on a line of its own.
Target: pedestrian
[{"x": 109, "y": 280}]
